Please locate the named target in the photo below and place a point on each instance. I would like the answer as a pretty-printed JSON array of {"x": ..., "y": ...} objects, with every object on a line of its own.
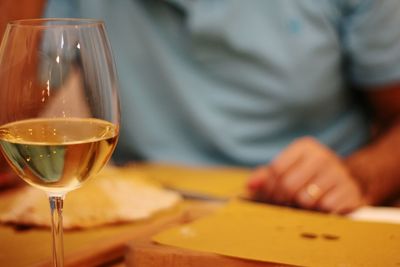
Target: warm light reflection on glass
[{"x": 48, "y": 87}]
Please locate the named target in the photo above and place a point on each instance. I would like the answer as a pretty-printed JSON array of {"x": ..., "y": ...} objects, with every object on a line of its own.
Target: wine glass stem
[{"x": 56, "y": 207}]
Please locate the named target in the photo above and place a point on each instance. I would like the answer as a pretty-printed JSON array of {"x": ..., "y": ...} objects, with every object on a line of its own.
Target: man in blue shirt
[{"x": 244, "y": 82}]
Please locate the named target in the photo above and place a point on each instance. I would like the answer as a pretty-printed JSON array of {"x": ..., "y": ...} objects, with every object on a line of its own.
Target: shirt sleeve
[{"x": 371, "y": 42}]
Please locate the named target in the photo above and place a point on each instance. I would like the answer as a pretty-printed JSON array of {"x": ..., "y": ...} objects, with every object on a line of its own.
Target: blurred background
[{"x": 12, "y": 10}]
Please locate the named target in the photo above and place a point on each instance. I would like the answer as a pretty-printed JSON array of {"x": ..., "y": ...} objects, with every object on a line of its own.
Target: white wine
[{"x": 57, "y": 155}]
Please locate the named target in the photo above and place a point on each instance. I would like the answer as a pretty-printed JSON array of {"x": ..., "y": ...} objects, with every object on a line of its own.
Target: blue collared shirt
[{"x": 234, "y": 82}]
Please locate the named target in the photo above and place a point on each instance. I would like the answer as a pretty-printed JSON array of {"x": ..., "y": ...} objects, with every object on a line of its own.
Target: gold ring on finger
[{"x": 313, "y": 191}]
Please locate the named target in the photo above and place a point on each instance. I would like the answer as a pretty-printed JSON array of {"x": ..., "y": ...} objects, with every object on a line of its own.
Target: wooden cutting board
[
  {"x": 91, "y": 247},
  {"x": 145, "y": 253}
]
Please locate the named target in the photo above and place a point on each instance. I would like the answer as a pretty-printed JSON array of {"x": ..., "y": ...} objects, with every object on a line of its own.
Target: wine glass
[{"x": 59, "y": 106}]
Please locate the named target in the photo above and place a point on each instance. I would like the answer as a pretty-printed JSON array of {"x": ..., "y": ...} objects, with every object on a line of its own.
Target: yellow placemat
[
  {"x": 218, "y": 182},
  {"x": 275, "y": 234}
]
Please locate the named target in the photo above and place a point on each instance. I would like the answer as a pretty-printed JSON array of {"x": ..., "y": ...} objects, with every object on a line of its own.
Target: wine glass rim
[{"x": 39, "y": 22}]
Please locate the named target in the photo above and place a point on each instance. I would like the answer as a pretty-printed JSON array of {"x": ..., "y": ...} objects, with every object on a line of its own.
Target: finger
[
  {"x": 261, "y": 183},
  {"x": 299, "y": 174},
  {"x": 341, "y": 199},
  {"x": 351, "y": 200},
  {"x": 287, "y": 158},
  {"x": 281, "y": 166},
  {"x": 271, "y": 188},
  {"x": 310, "y": 195},
  {"x": 257, "y": 179}
]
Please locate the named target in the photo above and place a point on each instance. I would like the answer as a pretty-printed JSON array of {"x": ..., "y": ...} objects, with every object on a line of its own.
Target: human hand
[{"x": 309, "y": 175}]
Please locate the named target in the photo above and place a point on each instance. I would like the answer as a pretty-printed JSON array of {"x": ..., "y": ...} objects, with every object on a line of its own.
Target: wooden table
[{"x": 125, "y": 244}]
